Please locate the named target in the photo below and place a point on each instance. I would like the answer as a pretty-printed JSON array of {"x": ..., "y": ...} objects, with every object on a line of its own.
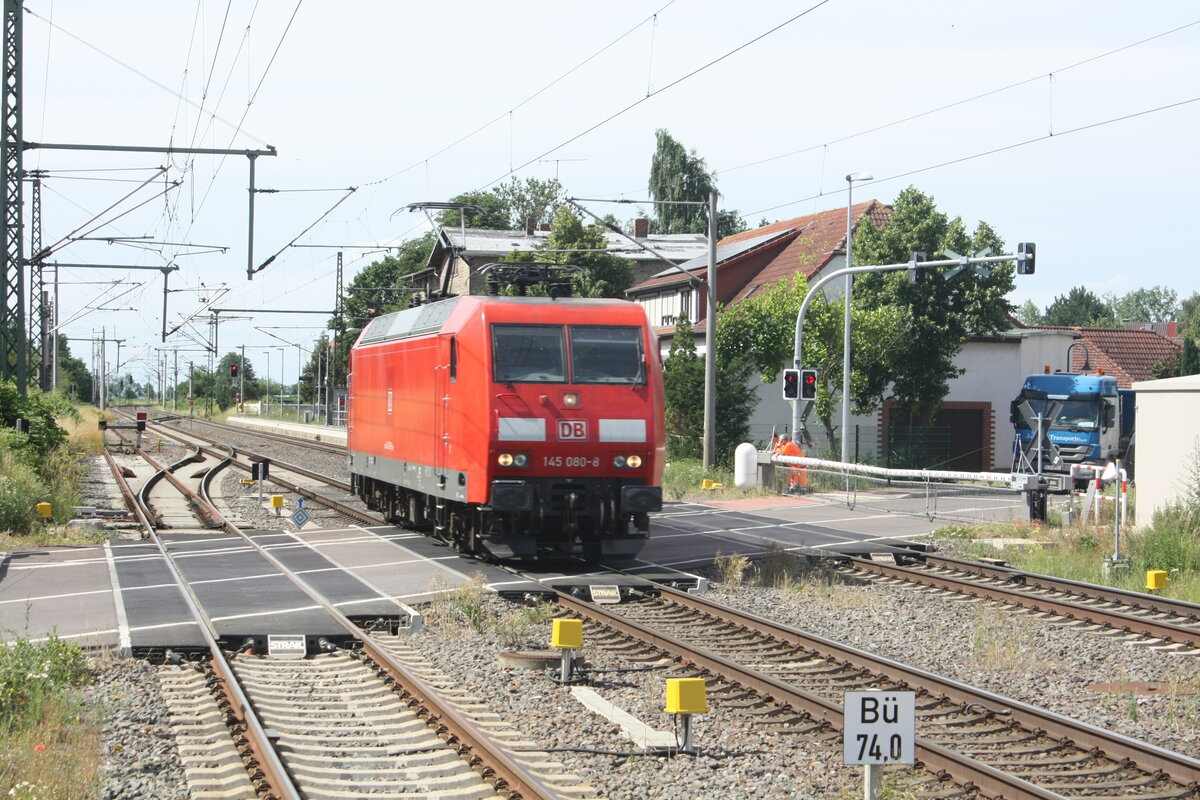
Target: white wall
[
  {"x": 994, "y": 373},
  {"x": 1167, "y": 440}
]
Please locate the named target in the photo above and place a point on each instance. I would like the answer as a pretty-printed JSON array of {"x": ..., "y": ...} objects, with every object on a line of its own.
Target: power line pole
[{"x": 12, "y": 316}]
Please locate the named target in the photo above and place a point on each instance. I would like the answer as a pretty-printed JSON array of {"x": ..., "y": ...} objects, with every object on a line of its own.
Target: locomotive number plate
[{"x": 570, "y": 461}]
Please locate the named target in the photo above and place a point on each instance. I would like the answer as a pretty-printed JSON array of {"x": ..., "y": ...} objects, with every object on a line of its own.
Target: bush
[{"x": 35, "y": 675}]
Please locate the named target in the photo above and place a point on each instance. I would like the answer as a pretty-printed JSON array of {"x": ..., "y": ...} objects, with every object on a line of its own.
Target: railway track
[
  {"x": 1158, "y": 621},
  {"x": 353, "y": 720},
  {"x": 984, "y": 743}
]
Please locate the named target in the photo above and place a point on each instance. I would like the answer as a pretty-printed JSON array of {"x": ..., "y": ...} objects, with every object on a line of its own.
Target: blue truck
[{"x": 1084, "y": 422}]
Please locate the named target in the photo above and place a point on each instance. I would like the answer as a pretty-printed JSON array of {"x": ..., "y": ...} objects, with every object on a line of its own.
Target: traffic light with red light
[
  {"x": 791, "y": 384},
  {"x": 233, "y": 370},
  {"x": 808, "y": 384}
]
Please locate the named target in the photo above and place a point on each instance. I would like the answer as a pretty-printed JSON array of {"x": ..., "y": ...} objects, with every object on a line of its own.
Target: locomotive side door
[{"x": 445, "y": 373}]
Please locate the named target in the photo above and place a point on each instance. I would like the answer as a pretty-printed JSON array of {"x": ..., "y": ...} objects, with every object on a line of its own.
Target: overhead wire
[
  {"x": 956, "y": 103},
  {"x": 528, "y": 99},
  {"x": 669, "y": 86},
  {"x": 994, "y": 150}
]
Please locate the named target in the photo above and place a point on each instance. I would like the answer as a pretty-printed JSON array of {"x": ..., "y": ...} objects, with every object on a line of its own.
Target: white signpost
[{"x": 879, "y": 728}]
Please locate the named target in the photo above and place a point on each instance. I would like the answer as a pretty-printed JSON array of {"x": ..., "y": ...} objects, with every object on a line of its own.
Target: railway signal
[{"x": 233, "y": 370}]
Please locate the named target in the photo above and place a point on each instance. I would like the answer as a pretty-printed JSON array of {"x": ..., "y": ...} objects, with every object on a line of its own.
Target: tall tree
[
  {"x": 679, "y": 175},
  {"x": 1029, "y": 313},
  {"x": 944, "y": 310},
  {"x": 1189, "y": 317},
  {"x": 509, "y": 206},
  {"x": 1189, "y": 358},
  {"x": 683, "y": 396},
  {"x": 1079, "y": 307},
  {"x": 1156, "y": 304}
]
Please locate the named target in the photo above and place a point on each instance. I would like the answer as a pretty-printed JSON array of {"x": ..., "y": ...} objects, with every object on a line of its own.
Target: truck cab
[{"x": 1070, "y": 425}]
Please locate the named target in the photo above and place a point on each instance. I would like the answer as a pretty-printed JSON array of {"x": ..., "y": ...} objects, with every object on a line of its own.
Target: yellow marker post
[
  {"x": 1156, "y": 579},
  {"x": 277, "y": 504},
  {"x": 566, "y": 634},
  {"x": 686, "y": 696},
  {"x": 45, "y": 511}
]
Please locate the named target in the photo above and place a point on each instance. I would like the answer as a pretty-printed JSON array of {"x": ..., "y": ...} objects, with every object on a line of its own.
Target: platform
[{"x": 320, "y": 433}]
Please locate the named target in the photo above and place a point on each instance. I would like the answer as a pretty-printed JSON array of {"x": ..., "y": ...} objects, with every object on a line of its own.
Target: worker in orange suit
[{"x": 797, "y": 477}]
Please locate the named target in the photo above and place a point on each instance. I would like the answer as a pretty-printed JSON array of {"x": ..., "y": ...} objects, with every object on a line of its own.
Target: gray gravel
[
  {"x": 1021, "y": 657},
  {"x": 141, "y": 760}
]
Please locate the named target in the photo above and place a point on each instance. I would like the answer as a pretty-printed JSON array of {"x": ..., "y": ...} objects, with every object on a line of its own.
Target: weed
[
  {"x": 731, "y": 568},
  {"x": 1000, "y": 640},
  {"x": 781, "y": 569},
  {"x": 460, "y": 612},
  {"x": 1131, "y": 707}
]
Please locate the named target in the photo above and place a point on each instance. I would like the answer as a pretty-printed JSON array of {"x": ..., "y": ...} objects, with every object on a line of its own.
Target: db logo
[{"x": 572, "y": 429}]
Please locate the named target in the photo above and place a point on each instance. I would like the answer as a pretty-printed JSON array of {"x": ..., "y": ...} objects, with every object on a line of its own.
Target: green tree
[
  {"x": 763, "y": 329},
  {"x": 38, "y": 413},
  {"x": 1079, "y": 307},
  {"x": 74, "y": 379},
  {"x": 1189, "y": 358},
  {"x": 683, "y": 390},
  {"x": 509, "y": 206},
  {"x": 1189, "y": 317},
  {"x": 1156, "y": 304},
  {"x": 605, "y": 275},
  {"x": 493, "y": 212},
  {"x": 680, "y": 175},
  {"x": 1029, "y": 313},
  {"x": 943, "y": 311}
]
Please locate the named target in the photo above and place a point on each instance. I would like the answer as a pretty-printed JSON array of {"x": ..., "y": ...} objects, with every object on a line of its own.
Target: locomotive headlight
[
  {"x": 512, "y": 459},
  {"x": 570, "y": 400},
  {"x": 619, "y": 461},
  {"x": 633, "y": 461},
  {"x": 504, "y": 459},
  {"x": 520, "y": 460}
]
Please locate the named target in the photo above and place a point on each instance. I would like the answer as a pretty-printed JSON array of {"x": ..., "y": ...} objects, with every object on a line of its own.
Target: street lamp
[{"x": 850, "y": 179}]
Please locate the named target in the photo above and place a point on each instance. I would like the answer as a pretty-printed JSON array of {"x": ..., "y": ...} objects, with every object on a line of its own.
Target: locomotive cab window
[
  {"x": 607, "y": 354},
  {"x": 528, "y": 354}
]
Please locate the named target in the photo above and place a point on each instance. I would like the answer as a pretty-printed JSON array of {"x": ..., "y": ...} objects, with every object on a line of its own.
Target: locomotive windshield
[
  {"x": 608, "y": 354},
  {"x": 528, "y": 354}
]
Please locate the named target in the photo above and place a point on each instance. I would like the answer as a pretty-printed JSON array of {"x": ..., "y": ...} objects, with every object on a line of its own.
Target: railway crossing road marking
[{"x": 123, "y": 638}]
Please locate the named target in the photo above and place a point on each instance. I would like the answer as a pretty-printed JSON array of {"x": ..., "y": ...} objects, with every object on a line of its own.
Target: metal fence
[{"x": 944, "y": 494}]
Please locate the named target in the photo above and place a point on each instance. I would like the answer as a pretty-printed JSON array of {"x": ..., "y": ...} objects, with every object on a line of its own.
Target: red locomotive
[{"x": 511, "y": 427}]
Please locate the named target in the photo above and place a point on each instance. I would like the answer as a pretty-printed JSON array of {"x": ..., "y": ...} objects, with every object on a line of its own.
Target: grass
[
  {"x": 49, "y": 744},
  {"x": 684, "y": 477},
  {"x": 1079, "y": 552},
  {"x": 464, "y": 611}
]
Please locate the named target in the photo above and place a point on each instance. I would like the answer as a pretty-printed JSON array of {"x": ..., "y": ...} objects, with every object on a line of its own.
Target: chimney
[
  {"x": 530, "y": 226},
  {"x": 641, "y": 228}
]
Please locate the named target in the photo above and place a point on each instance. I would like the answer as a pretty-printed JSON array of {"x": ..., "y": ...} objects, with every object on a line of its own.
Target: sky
[{"x": 1067, "y": 123}]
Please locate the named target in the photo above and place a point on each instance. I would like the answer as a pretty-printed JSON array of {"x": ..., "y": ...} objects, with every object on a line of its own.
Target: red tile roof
[
  {"x": 803, "y": 245},
  {"x": 1127, "y": 355}
]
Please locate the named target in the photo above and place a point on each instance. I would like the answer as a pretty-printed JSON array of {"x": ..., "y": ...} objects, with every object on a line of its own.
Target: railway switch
[
  {"x": 685, "y": 697},
  {"x": 566, "y": 634}
]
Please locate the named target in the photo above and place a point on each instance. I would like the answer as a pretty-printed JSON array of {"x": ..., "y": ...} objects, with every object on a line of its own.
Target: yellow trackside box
[
  {"x": 44, "y": 510},
  {"x": 686, "y": 696},
  {"x": 567, "y": 633},
  {"x": 1156, "y": 579},
  {"x": 276, "y": 501}
]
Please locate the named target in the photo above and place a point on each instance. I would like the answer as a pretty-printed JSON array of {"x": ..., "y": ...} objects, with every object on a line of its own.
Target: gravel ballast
[{"x": 1018, "y": 656}]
